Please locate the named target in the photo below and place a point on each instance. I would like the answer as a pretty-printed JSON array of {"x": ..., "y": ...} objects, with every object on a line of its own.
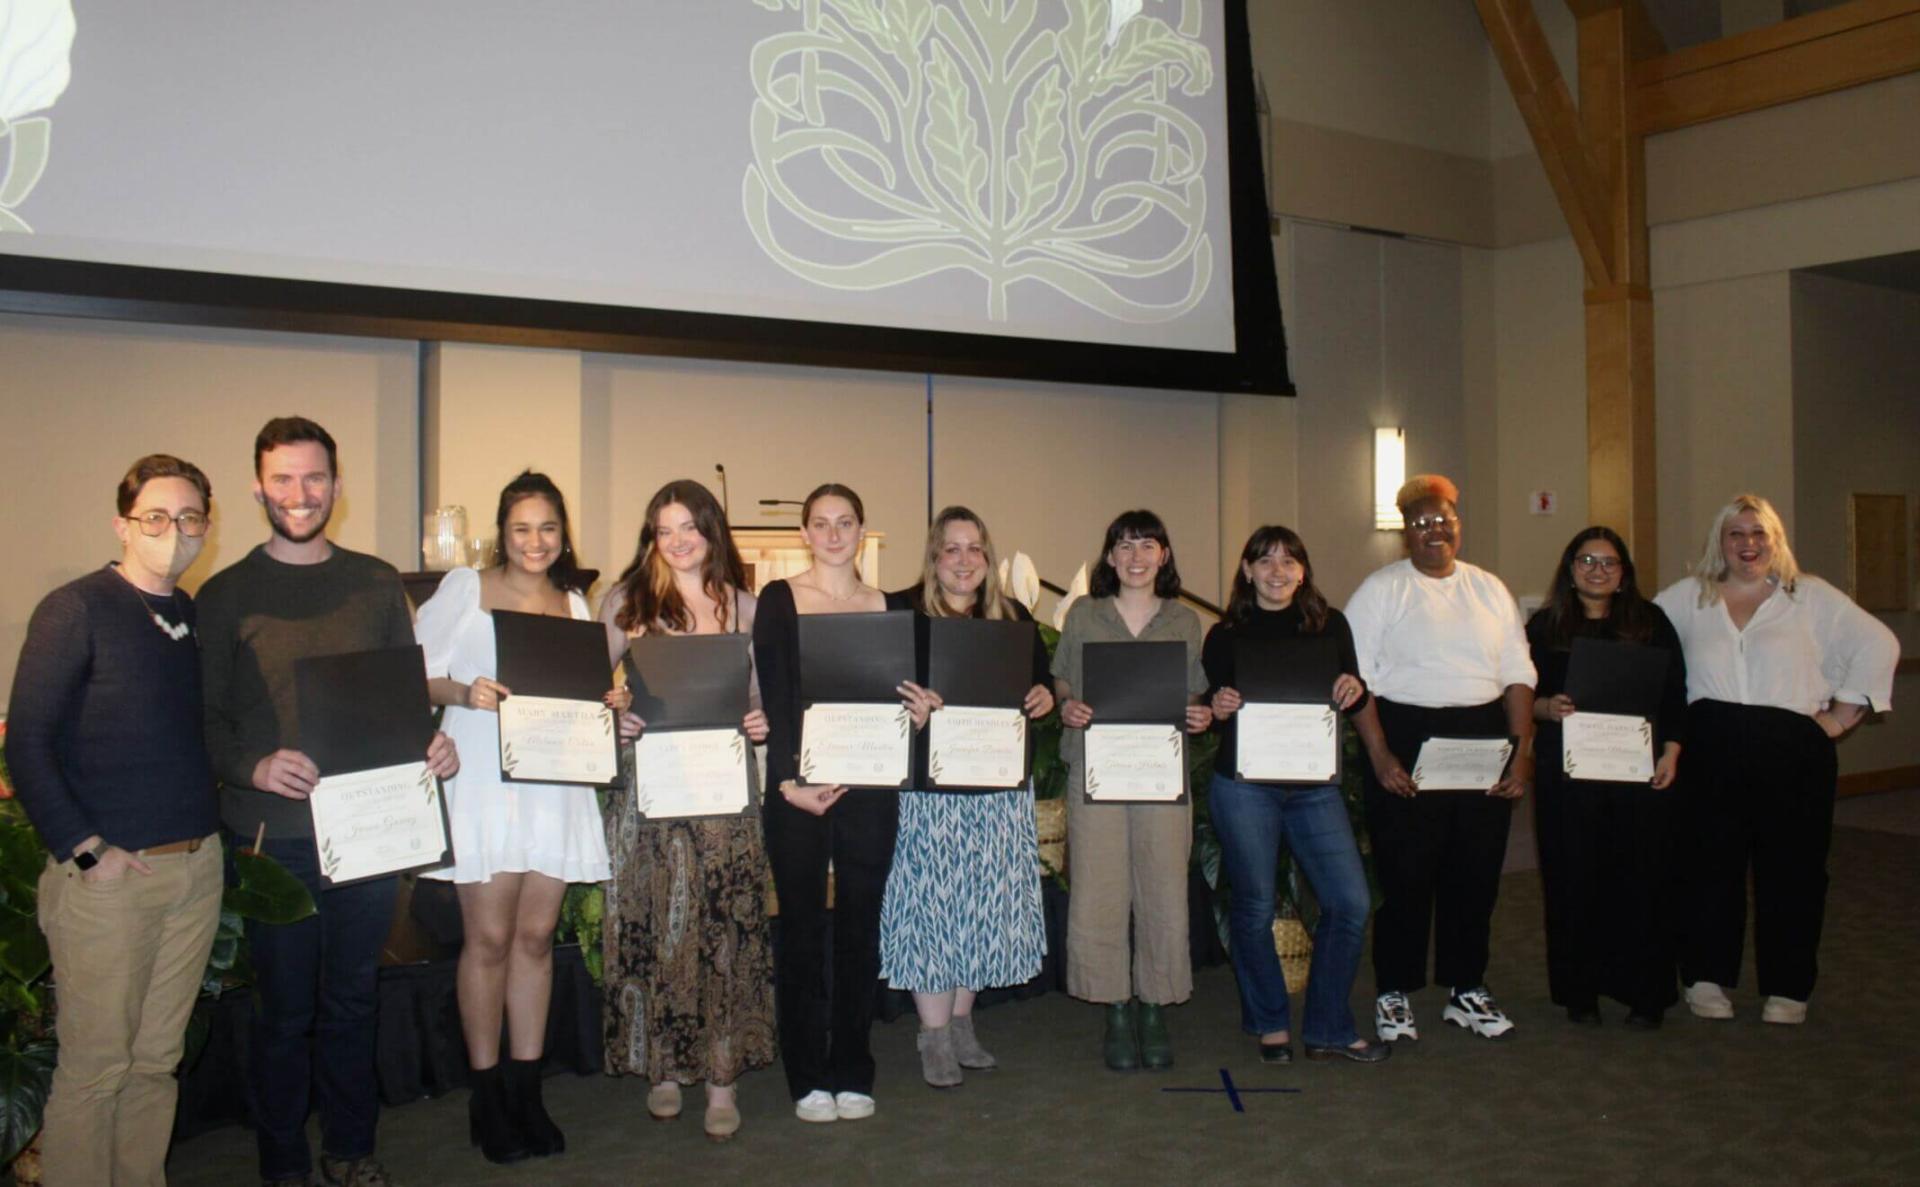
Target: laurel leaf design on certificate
[
  {"x": 329, "y": 861},
  {"x": 739, "y": 748},
  {"x": 806, "y": 765},
  {"x": 606, "y": 722},
  {"x": 905, "y": 720},
  {"x": 430, "y": 785},
  {"x": 507, "y": 761},
  {"x": 1173, "y": 740},
  {"x": 936, "y": 770}
]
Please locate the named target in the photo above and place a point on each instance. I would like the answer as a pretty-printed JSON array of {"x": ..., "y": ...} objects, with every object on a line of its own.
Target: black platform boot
[
  {"x": 491, "y": 1124},
  {"x": 530, "y": 1112}
]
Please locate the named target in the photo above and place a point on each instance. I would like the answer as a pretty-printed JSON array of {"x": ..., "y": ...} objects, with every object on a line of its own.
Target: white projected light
[{"x": 1389, "y": 472}]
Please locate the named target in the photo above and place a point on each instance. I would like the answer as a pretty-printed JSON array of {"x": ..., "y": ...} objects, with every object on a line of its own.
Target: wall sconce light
[{"x": 1389, "y": 472}]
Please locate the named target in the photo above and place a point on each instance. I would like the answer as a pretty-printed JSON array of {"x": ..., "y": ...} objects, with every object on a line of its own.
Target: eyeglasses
[
  {"x": 1587, "y": 560},
  {"x": 156, "y": 523},
  {"x": 1427, "y": 523}
]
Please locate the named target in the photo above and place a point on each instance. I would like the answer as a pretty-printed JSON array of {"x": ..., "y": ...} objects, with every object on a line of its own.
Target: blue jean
[
  {"x": 314, "y": 1018},
  {"x": 1253, "y": 819}
]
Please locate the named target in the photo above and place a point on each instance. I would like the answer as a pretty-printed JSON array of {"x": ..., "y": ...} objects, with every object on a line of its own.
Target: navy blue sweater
[{"x": 104, "y": 722}]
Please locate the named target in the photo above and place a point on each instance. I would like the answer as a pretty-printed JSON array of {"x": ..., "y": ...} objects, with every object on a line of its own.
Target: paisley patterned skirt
[{"x": 689, "y": 966}]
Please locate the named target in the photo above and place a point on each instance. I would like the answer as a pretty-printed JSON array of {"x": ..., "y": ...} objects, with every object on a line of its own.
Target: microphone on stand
[{"x": 725, "y": 501}]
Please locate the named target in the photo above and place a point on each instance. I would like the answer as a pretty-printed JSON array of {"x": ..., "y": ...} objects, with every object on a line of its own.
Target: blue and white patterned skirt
[{"x": 962, "y": 908}]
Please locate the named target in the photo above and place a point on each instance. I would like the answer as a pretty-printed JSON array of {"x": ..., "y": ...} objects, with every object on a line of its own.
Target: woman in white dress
[{"x": 515, "y": 845}]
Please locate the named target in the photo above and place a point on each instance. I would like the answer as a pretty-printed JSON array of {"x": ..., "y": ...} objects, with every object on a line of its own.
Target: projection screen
[{"x": 1045, "y": 188}]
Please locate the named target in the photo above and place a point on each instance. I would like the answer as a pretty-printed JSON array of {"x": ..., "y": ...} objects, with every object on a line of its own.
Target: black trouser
[
  {"x": 1606, "y": 856},
  {"x": 1757, "y": 788},
  {"x": 825, "y": 1013},
  {"x": 1438, "y": 857}
]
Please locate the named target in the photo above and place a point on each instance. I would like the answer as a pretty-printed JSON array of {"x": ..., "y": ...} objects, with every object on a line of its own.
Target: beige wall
[{"x": 82, "y": 399}]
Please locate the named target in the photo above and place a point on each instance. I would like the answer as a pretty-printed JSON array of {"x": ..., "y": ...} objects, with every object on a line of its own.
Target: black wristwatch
[{"x": 86, "y": 859}]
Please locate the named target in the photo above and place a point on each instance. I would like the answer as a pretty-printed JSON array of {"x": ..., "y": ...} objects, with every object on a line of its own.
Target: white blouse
[
  {"x": 1438, "y": 641},
  {"x": 1799, "y": 651}
]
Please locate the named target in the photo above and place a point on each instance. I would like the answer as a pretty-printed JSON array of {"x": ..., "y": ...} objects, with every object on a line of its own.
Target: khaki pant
[
  {"x": 128, "y": 956},
  {"x": 1127, "y": 862}
]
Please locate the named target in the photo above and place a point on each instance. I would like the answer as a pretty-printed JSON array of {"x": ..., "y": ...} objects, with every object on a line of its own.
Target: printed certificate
[
  {"x": 1282, "y": 743},
  {"x": 977, "y": 748},
  {"x": 557, "y": 740},
  {"x": 1461, "y": 764},
  {"x": 1608, "y": 747},
  {"x": 856, "y": 743},
  {"x": 1136, "y": 763},
  {"x": 692, "y": 772},
  {"x": 379, "y": 821}
]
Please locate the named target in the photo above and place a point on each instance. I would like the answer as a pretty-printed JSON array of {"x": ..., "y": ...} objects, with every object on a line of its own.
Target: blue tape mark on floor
[{"x": 1232, "y": 1091}]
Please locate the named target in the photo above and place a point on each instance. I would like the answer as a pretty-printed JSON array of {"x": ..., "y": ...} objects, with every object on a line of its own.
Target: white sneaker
[
  {"x": 1393, "y": 1018},
  {"x": 1708, "y": 1000},
  {"x": 852, "y": 1106},
  {"x": 816, "y": 1106},
  {"x": 1475, "y": 1010},
  {"x": 1783, "y": 1011}
]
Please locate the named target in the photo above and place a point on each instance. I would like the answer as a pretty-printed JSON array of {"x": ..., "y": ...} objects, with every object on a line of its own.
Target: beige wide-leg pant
[{"x": 1127, "y": 862}]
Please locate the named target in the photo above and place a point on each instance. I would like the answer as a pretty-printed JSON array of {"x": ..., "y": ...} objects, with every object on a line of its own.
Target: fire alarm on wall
[{"x": 1543, "y": 502}]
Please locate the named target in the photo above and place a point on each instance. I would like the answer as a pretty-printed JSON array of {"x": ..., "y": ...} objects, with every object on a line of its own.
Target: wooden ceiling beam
[
  {"x": 1526, "y": 59},
  {"x": 1855, "y": 43}
]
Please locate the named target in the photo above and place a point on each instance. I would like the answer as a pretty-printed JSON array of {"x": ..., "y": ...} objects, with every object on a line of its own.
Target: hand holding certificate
[
  {"x": 1462, "y": 764},
  {"x": 982, "y": 669},
  {"x": 366, "y": 723},
  {"x": 554, "y": 728},
  {"x": 1136, "y": 746},
  {"x": 853, "y": 730},
  {"x": 693, "y": 759},
  {"x": 1607, "y": 747}
]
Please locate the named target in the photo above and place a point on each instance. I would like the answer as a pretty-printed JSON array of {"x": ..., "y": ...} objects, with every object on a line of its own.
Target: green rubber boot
[
  {"x": 1156, "y": 1046},
  {"x": 1121, "y": 1045}
]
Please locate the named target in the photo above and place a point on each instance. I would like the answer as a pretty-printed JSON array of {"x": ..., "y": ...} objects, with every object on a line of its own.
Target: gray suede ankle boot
[
  {"x": 967, "y": 1048},
  {"x": 937, "y": 1061}
]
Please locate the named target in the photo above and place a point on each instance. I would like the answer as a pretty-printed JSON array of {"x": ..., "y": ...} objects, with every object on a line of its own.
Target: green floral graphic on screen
[
  {"x": 36, "y": 37},
  {"x": 1019, "y": 140}
]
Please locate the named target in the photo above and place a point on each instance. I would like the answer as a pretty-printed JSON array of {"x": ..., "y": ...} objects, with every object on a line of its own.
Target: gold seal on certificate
[
  {"x": 975, "y": 747},
  {"x": 858, "y": 743},
  {"x": 1607, "y": 747},
  {"x": 1136, "y": 763},
  {"x": 1281, "y": 743},
  {"x": 380, "y": 821},
  {"x": 556, "y": 740},
  {"x": 1461, "y": 764},
  {"x": 692, "y": 772}
]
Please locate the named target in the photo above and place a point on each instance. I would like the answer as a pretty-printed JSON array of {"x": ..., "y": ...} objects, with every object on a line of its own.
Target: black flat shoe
[
  {"x": 1276, "y": 1053},
  {"x": 1645, "y": 1021},
  {"x": 1583, "y": 1015},
  {"x": 1365, "y": 1053}
]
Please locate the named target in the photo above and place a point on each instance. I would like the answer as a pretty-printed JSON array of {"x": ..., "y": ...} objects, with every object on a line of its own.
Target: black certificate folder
[
  {"x": 1286, "y": 671},
  {"x": 363, "y": 710},
  {"x": 855, "y": 657},
  {"x": 1611, "y": 676},
  {"x": 689, "y": 681},
  {"x": 1141, "y": 683},
  {"x": 981, "y": 662},
  {"x": 543, "y": 655}
]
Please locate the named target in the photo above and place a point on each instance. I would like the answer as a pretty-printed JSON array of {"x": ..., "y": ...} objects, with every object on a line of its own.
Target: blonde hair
[
  {"x": 1426, "y": 486},
  {"x": 991, "y": 601},
  {"x": 1711, "y": 569}
]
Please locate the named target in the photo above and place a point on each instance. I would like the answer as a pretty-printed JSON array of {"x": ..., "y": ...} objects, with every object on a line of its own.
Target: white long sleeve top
[
  {"x": 1799, "y": 651},
  {"x": 1438, "y": 642}
]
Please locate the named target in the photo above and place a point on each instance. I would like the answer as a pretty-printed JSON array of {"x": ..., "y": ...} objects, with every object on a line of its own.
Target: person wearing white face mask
[{"x": 105, "y": 746}]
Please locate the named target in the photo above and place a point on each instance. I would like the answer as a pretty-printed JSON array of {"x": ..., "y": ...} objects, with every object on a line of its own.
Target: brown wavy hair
[
  {"x": 1243, "y": 601},
  {"x": 649, "y": 596}
]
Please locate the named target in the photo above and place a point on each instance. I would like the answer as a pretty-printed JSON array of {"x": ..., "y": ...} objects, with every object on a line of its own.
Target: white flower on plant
[
  {"x": 36, "y": 41},
  {"x": 1020, "y": 579},
  {"x": 1117, "y": 16},
  {"x": 1076, "y": 589}
]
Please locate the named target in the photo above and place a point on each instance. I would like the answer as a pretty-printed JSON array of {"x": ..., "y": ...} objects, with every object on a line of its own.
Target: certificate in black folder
[
  {"x": 1616, "y": 688},
  {"x": 1136, "y": 746},
  {"x": 853, "y": 728},
  {"x": 366, "y": 722},
  {"x": 982, "y": 669},
  {"x": 693, "y": 758},
  {"x": 1288, "y": 730},
  {"x": 554, "y": 726}
]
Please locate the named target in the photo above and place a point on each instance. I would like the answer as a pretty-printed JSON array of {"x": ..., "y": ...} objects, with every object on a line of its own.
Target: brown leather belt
[{"x": 192, "y": 846}]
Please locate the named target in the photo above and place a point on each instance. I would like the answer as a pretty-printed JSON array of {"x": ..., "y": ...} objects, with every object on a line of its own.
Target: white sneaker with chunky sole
[
  {"x": 816, "y": 1106},
  {"x": 1783, "y": 1011},
  {"x": 1393, "y": 1018},
  {"x": 852, "y": 1106},
  {"x": 1475, "y": 1010},
  {"x": 1708, "y": 1000}
]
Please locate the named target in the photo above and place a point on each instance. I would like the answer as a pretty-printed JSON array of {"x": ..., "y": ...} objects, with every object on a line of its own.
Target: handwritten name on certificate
[
  {"x": 1610, "y": 747},
  {"x": 975, "y": 747},
  {"x": 378, "y": 822},
  {"x": 856, "y": 743},
  {"x": 1287, "y": 743},
  {"x": 551, "y": 740},
  {"x": 1461, "y": 764},
  {"x": 691, "y": 773},
  {"x": 1136, "y": 762}
]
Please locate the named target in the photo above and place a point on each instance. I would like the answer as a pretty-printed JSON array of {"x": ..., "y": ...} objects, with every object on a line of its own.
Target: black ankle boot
[
  {"x": 491, "y": 1125},
  {"x": 530, "y": 1112}
]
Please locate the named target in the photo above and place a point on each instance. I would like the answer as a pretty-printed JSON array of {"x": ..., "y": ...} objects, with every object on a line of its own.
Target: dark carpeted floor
[{"x": 1835, "y": 1101}]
